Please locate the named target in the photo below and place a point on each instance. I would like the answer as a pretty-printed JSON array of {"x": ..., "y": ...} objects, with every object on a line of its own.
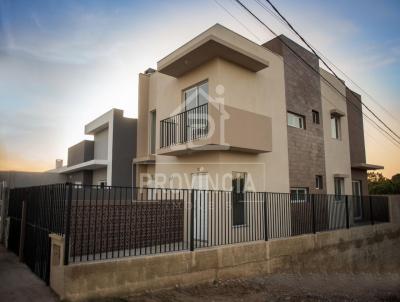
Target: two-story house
[{"x": 222, "y": 111}]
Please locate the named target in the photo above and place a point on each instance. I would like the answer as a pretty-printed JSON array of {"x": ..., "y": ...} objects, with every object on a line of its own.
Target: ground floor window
[
  {"x": 298, "y": 194},
  {"x": 238, "y": 189},
  {"x": 339, "y": 188}
]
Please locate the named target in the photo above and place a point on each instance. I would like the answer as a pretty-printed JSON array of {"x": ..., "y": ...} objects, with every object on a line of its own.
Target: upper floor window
[
  {"x": 295, "y": 120},
  {"x": 315, "y": 117},
  {"x": 335, "y": 126},
  {"x": 196, "y": 96}
]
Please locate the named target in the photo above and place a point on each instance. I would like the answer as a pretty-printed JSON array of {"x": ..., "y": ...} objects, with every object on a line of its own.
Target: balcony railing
[{"x": 184, "y": 127}]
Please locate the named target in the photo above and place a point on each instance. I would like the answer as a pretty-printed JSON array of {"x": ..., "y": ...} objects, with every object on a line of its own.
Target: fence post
[
  {"x": 370, "y": 210},
  {"x": 265, "y": 216},
  {"x": 192, "y": 220},
  {"x": 347, "y": 212},
  {"x": 22, "y": 233},
  {"x": 67, "y": 222},
  {"x": 313, "y": 213}
]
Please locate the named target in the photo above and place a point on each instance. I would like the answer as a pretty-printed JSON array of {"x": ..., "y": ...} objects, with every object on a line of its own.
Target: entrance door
[
  {"x": 357, "y": 199},
  {"x": 200, "y": 183}
]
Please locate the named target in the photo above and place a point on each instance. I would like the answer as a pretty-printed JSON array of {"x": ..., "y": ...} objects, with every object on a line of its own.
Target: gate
[{"x": 44, "y": 215}]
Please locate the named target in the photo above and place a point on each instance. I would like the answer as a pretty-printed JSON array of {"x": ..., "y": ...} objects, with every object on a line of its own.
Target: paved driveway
[{"x": 18, "y": 283}]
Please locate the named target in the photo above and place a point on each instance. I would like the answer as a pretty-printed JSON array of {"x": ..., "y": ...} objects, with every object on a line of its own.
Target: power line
[
  {"x": 313, "y": 69},
  {"x": 327, "y": 66}
]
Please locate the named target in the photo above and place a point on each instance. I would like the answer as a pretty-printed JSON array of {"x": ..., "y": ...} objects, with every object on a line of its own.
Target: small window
[
  {"x": 339, "y": 188},
  {"x": 298, "y": 194},
  {"x": 153, "y": 118},
  {"x": 295, "y": 120},
  {"x": 318, "y": 182},
  {"x": 335, "y": 126},
  {"x": 238, "y": 189},
  {"x": 315, "y": 117}
]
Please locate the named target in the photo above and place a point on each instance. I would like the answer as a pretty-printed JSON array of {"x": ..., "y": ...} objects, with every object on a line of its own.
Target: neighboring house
[
  {"x": 221, "y": 111},
  {"x": 19, "y": 179},
  {"x": 107, "y": 160}
]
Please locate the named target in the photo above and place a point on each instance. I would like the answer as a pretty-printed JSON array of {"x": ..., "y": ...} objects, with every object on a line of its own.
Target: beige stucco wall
[
  {"x": 364, "y": 249},
  {"x": 337, "y": 151},
  {"x": 261, "y": 93}
]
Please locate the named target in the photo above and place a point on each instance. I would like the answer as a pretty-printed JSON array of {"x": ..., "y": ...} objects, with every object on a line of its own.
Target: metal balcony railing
[{"x": 184, "y": 127}]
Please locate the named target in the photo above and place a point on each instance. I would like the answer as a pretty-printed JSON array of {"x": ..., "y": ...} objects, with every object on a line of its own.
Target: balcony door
[{"x": 195, "y": 100}]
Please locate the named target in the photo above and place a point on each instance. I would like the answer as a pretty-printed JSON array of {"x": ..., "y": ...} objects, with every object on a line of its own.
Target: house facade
[
  {"x": 222, "y": 112},
  {"x": 107, "y": 159}
]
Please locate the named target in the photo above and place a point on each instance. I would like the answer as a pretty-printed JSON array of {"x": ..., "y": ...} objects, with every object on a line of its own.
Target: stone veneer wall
[{"x": 303, "y": 94}]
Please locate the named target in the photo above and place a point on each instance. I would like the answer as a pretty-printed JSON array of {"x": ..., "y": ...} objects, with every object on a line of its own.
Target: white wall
[{"x": 101, "y": 145}]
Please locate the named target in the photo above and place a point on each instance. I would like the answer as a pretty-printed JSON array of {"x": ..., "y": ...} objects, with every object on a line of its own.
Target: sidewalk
[{"x": 18, "y": 283}]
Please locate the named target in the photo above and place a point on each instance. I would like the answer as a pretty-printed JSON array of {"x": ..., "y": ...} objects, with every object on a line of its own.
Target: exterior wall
[
  {"x": 369, "y": 249},
  {"x": 83, "y": 177},
  {"x": 124, "y": 151},
  {"x": 303, "y": 94},
  {"x": 261, "y": 93},
  {"x": 99, "y": 175},
  {"x": 17, "y": 179},
  {"x": 81, "y": 152},
  {"x": 143, "y": 120},
  {"x": 337, "y": 151},
  {"x": 101, "y": 144}
]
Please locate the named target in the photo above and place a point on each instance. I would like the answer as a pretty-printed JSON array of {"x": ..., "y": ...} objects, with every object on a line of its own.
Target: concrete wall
[
  {"x": 303, "y": 94},
  {"x": 81, "y": 152},
  {"x": 337, "y": 151},
  {"x": 83, "y": 177},
  {"x": 16, "y": 179},
  {"x": 101, "y": 145},
  {"x": 99, "y": 175},
  {"x": 364, "y": 249}
]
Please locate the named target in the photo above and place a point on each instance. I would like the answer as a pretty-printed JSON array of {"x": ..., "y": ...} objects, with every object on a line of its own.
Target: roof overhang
[
  {"x": 217, "y": 41},
  {"x": 365, "y": 166},
  {"x": 87, "y": 165},
  {"x": 337, "y": 112}
]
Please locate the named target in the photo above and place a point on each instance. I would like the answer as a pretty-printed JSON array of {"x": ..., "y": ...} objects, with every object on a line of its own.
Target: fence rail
[{"x": 100, "y": 222}]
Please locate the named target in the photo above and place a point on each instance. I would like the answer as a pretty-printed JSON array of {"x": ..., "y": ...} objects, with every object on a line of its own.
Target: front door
[
  {"x": 200, "y": 183},
  {"x": 357, "y": 199}
]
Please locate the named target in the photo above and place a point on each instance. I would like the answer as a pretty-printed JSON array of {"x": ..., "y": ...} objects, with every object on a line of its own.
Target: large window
[
  {"x": 153, "y": 132},
  {"x": 298, "y": 194},
  {"x": 196, "y": 96},
  {"x": 335, "y": 126},
  {"x": 238, "y": 189},
  {"x": 295, "y": 120},
  {"x": 339, "y": 188}
]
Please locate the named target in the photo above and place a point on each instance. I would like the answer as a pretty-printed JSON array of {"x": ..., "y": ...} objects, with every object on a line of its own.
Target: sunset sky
[{"x": 63, "y": 63}]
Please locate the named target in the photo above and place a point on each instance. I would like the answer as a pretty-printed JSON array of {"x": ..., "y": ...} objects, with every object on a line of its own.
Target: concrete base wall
[{"x": 363, "y": 249}]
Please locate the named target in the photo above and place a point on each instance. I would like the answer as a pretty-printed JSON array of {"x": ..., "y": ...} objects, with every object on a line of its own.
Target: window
[
  {"x": 196, "y": 96},
  {"x": 335, "y": 126},
  {"x": 102, "y": 183},
  {"x": 298, "y": 194},
  {"x": 318, "y": 182},
  {"x": 295, "y": 120},
  {"x": 238, "y": 188},
  {"x": 315, "y": 117},
  {"x": 339, "y": 188},
  {"x": 153, "y": 118},
  {"x": 356, "y": 187}
]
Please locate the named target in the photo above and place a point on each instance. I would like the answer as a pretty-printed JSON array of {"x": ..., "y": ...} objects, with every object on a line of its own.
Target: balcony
[
  {"x": 215, "y": 126},
  {"x": 184, "y": 127}
]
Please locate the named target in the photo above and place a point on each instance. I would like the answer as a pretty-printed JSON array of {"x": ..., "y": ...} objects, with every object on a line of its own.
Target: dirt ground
[{"x": 313, "y": 287}]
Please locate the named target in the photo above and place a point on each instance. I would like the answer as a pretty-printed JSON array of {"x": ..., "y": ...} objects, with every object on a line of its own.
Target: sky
[{"x": 63, "y": 63}]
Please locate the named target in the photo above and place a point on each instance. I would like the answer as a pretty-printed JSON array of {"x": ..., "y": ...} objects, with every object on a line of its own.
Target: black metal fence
[
  {"x": 184, "y": 127},
  {"x": 109, "y": 222}
]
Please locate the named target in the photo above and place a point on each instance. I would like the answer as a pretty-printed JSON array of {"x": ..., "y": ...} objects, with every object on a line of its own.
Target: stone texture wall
[
  {"x": 303, "y": 94},
  {"x": 369, "y": 249}
]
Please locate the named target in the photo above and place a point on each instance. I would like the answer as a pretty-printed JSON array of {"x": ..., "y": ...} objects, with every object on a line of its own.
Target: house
[
  {"x": 107, "y": 159},
  {"x": 223, "y": 112}
]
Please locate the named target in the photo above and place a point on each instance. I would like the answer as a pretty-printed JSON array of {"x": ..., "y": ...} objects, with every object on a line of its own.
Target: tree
[{"x": 379, "y": 184}]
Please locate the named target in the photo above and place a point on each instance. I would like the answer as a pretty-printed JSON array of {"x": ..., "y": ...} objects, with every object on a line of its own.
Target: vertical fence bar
[
  {"x": 192, "y": 220},
  {"x": 347, "y": 212},
  {"x": 265, "y": 217},
  {"x": 68, "y": 223},
  {"x": 313, "y": 213},
  {"x": 371, "y": 211}
]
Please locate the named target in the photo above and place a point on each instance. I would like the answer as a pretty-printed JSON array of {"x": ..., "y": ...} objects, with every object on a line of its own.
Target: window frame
[
  {"x": 336, "y": 121},
  {"x": 301, "y": 118},
  {"x": 319, "y": 182},
  {"x": 297, "y": 199},
  {"x": 316, "y": 117},
  {"x": 338, "y": 196},
  {"x": 197, "y": 85}
]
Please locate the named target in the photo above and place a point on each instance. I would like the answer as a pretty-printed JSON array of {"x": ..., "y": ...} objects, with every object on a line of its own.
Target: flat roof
[
  {"x": 365, "y": 166},
  {"x": 217, "y": 41}
]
